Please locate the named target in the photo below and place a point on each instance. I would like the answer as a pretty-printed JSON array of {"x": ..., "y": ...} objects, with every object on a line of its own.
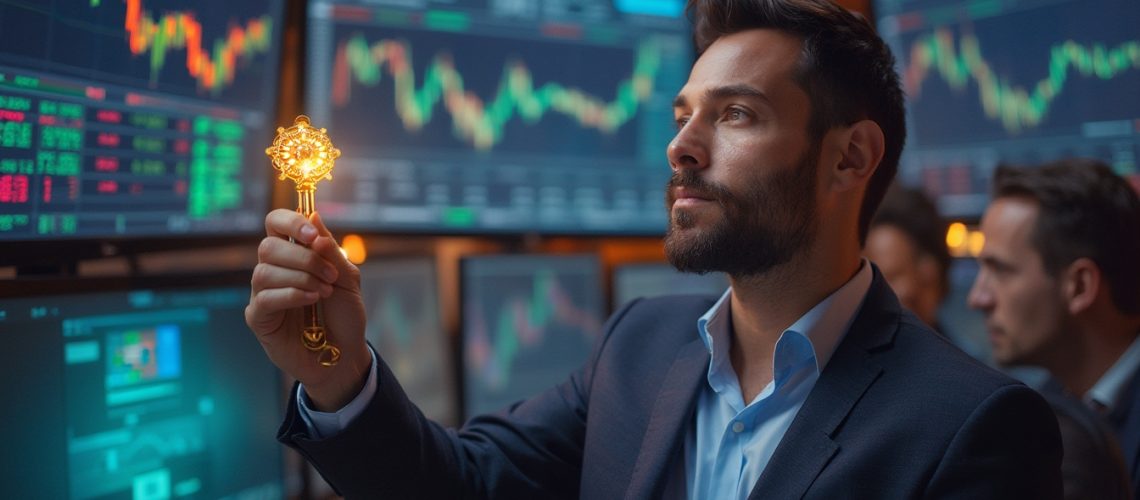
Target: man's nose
[
  {"x": 688, "y": 149},
  {"x": 980, "y": 296}
]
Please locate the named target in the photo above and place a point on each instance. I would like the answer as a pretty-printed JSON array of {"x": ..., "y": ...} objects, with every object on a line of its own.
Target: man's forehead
[
  {"x": 1009, "y": 222},
  {"x": 761, "y": 57}
]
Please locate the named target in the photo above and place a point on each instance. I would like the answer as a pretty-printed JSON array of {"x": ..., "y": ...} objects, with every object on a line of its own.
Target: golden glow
[
  {"x": 956, "y": 235},
  {"x": 303, "y": 154},
  {"x": 353, "y": 248},
  {"x": 977, "y": 241}
]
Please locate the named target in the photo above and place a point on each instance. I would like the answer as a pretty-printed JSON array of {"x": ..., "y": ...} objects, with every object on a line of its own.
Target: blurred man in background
[
  {"x": 908, "y": 242},
  {"x": 1060, "y": 287}
]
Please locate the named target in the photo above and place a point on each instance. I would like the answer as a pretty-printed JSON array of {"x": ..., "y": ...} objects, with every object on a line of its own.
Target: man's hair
[
  {"x": 845, "y": 69},
  {"x": 1084, "y": 210},
  {"x": 912, "y": 212}
]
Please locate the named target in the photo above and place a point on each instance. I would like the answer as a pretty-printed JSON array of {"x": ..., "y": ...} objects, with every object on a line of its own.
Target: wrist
[{"x": 339, "y": 388}]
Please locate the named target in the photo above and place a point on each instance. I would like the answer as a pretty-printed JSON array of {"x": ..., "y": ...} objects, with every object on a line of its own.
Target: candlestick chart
[
  {"x": 527, "y": 323},
  {"x": 462, "y": 93},
  {"x": 1018, "y": 104},
  {"x": 404, "y": 326},
  {"x": 1022, "y": 82},
  {"x": 183, "y": 47},
  {"x": 480, "y": 121},
  {"x": 488, "y": 119},
  {"x": 123, "y": 118}
]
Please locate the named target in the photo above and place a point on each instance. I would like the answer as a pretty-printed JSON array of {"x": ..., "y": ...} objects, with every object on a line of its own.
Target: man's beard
[{"x": 762, "y": 228}]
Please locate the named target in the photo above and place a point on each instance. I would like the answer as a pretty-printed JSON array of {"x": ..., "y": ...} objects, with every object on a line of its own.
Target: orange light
[
  {"x": 353, "y": 248},
  {"x": 977, "y": 241}
]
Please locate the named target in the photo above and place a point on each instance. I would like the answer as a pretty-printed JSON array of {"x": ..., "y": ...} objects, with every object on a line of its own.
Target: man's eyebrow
[{"x": 725, "y": 92}]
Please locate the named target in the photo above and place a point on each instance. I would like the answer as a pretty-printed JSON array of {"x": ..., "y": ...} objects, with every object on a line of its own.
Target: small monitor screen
[
  {"x": 1020, "y": 82},
  {"x": 654, "y": 279},
  {"x": 402, "y": 303},
  {"x": 136, "y": 118},
  {"x": 138, "y": 393},
  {"x": 474, "y": 116},
  {"x": 528, "y": 321}
]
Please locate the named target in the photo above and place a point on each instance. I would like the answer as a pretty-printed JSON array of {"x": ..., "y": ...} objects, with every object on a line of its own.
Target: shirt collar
[
  {"x": 823, "y": 326},
  {"x": 1108, "y": 389}
]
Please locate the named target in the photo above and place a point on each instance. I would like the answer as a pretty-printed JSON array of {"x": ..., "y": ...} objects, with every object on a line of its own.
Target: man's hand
[{"x": 288, "y": 278}]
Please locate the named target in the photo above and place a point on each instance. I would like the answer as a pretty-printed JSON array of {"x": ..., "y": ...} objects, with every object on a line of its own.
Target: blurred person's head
[
  {"x": 907, "y": 241},
  {"x": 1060, "y": 269}
]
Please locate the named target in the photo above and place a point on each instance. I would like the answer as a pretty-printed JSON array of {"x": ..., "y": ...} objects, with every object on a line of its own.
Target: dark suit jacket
[
  {"x": 1093, "y": 465},
  {"x": 1125, "y": 419},
  {"x": 897, "y": 413}
]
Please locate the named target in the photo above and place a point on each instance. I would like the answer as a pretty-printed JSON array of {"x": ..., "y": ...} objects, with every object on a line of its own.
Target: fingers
[
  {"x": 284, "y": 223},
  {"x": 270, "y": 277},
  {"x": 280, "y": 253}
]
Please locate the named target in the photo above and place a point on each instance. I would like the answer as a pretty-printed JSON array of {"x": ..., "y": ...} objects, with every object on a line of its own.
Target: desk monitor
[
  {"x": 151, "y": 391},
  {"x": 528, "y": 321},
  {"x": 401, "y": 300},
  {"x": 122, "y": 119},
  {"x": 499, "y": 116},
  {"x": 653, "y": 279},
  {"x": 1020, "y": 82}
]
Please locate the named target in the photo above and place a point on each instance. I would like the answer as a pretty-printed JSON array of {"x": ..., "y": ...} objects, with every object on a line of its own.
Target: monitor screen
[
  {"x": 1021, "y": 82},
  {"x": 402, "y": 302},
  {"x": 528, "y": 321},
  {"x": 654, "y": 279},
  {"x": 136, "y": 118},
  {"x": 465, "y": 116},
  {"x": 137, "y": 393}
]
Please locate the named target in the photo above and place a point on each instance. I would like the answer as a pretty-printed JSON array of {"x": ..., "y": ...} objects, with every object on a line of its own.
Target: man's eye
[{"x": 680, "y": 122}]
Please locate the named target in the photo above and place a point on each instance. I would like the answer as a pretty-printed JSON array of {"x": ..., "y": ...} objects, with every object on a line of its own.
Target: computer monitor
[
  {"x": 401, "y": 300},
  {"x": 500, "y": 116},
  {"x": 122, "y": 119},
  {"x": 137, "y": 390},
  {"x": 528, "y": 321},
  {"x": 652, "y": 279},
  {"x": 1020, "y": 82}
]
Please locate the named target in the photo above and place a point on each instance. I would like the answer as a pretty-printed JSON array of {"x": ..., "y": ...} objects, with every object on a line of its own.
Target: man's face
[
  {"x": 743, "y": 192},
  {"x": 897, "y": 257},
  {"x": 1025, "y": 314}
]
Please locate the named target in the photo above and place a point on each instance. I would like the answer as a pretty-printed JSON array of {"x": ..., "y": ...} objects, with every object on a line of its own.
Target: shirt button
[{"x": 737, "y": 427}]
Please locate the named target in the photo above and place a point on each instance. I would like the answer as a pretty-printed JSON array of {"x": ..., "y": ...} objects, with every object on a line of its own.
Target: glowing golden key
[{"x": 306, "y": 155}]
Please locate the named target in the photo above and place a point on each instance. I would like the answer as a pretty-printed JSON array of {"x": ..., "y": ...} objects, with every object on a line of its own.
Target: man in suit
[
  {"x": 805, "y": 379},
  {"x": 1060, "y": 285}
]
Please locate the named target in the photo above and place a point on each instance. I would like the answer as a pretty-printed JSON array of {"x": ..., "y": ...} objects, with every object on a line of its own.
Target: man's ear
[
  {"x": 861, "y": 147},
  {"x": 1080, "y": 284}
]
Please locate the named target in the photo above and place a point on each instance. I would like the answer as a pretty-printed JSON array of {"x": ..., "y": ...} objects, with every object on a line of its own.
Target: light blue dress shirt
[
  {"x": 323, "y": 424},
  {"x": 731, "y": 443},
  {"x": 1110, "y": 387}
]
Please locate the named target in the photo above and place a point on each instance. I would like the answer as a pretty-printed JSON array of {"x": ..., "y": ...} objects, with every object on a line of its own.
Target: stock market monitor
[
  {"x": 401, "y": 299},
  {"x": 1019, "y": 81},
  {"x": 135, "y": 118},
  {"x": 465, "y": 116},
  {"x": 124, "y": 392},
  {"x": 528, "y": 321}
]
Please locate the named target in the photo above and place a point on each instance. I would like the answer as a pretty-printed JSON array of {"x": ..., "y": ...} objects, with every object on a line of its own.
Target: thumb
[
  {"x": 319, "y": 223},
  {"x": 326, "y": 246}
]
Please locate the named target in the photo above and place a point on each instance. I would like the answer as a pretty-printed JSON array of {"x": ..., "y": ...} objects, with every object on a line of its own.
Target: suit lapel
[
  {"x": 671, "y": 411},
  {"x": 807, "y": 446}
]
